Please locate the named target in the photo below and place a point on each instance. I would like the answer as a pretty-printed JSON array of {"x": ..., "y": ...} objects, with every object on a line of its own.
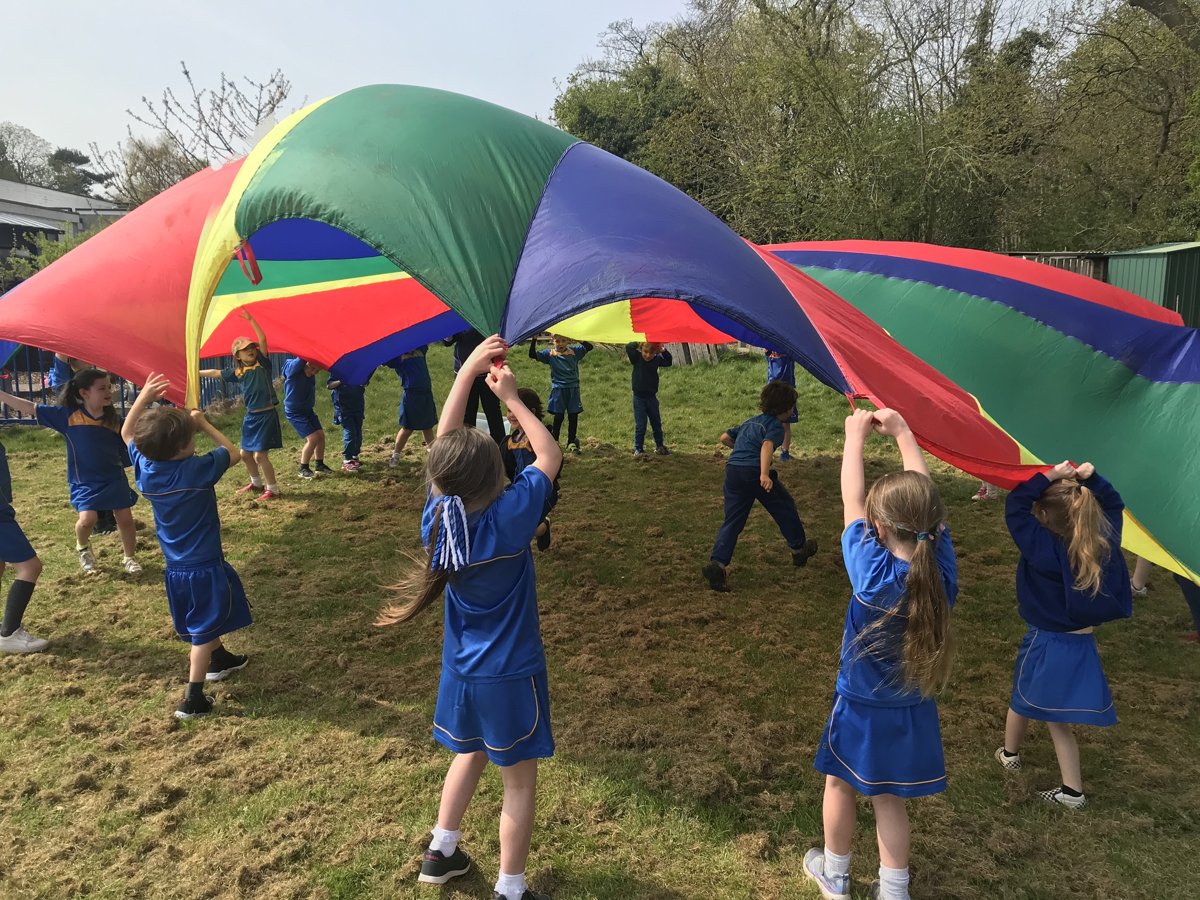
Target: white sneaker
[
  {"x": 21, "y": 641},
  {"x": 132, "y": 566},
  {"x": 1058, "y": 797},
  {"x": 1012, "y": 763},
  {"x": 88, "y": 562},
  {"x": 394, "y": 462}
]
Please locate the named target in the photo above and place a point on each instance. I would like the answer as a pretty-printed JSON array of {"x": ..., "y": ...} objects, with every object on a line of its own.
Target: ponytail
[
  {"x": 419, "y": 588},
  {"x": 928, "y": 641},
  {"x": 81, "y": 381},
  {"x": 1088, "y": 541}
]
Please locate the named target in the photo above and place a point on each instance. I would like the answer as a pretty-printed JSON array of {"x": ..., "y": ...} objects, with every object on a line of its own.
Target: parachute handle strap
[{"x": 245, "y": 257}]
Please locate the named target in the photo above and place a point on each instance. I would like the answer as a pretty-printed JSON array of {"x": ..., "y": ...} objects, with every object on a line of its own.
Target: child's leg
[
  {"x": 83, "y": 527},
  {"x": 892, "y": 830},
  {"x": 459, "y": 787},
  {"x": 655, "y": 417},
  {"x": 1066, "y": 748},
  {"x": 429, "y": 434},
  {"x": 786, "y": 446},
  {"x": 127, "y": 530},
  {"x": 639, "y": 422},
  {"x": 309, "y": 450},
  {"x": 251, "y": 466},
  {"x": 319, "y": 445},
  {"x": 20, "y": 592},
  {"x": 738, "y": 501},
  {"x": 358, "y": 434},
  {"x": 1141, "y": 574},
  {"x": 491, "y": 409},
  {"x": 573, "y": 428},
  {"x": 401, "y": 439},
  {"x": 516, "y": 815},
  {"x": 198, "y": 661},
  {"x": 779, "y": 503},
  {"x": 556, "y": 425},
  {"x": 838, "y": 812},
  {"x": 1015, "y": 727},
  {"x": 478, "y": 388},
  {"x": 263, "y": 459}
]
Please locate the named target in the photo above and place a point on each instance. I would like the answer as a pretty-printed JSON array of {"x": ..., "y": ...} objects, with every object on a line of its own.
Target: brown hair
[
  {"x": 1073, "y": 513},
  {"x": 465, "y": 463},
  {"x": 82, "y": 381},
  {"x": 162, "y": 432},
  {"x": 777, "y": 398},
  {"x": 908, "y": 505},
  {"x": 531, "y": 400}
]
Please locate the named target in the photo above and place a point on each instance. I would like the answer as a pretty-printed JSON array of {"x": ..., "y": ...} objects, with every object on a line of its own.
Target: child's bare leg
[
  {"x": 251, "y": 464},
  {"x": 1015, "y": 727},
  {"x": 516, "y": 815},
  {"x": 1141, "y": 574},
  {"x": 199, "y": 659},
  {"x": 83, "y": 527},
  {"x": 1066, "y": 748},
  {"x": 309, "y": 450},
  {"x": 459, "y": 787},
  {"x": 127, "y": 530},
  {"x": 429, "y": 435},
  {"x": 402, "y": 437},
  {"x": 263, "y": 459},
  {"x": 838, "y": 812},
  {"x": 786, "y": 446},
  {"x": 892, "y": 830},
  {"x": 542, "y": 528},
  {"x": 318, "y": 443}
]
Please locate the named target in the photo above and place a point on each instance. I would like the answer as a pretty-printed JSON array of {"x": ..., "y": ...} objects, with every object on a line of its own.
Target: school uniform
[
  {"x": 14, "y": 546},
  {"x": 204, "y": 593},
  {"x": 1058, "y": 676},
  {"x": 742, "y": 488},
  {"x": 96, "y": 458},
  {"x": 481, "y": 395},
  {"x": 352, "y": 403},
  {"x": 645, "y": 393},
  {"x": 418, "y": 411},
  {"x": 881, "y": 737},
  {"x": 564, "y": 377},
  {"x": 300, "y": 398},
  {"x": 260, "y": 427},
  {"x": 781, "y": 367},
  {"x": 518, "y": 455},
  {"x": 58, "y": 376},
  {"x": 493, "y": 695}
]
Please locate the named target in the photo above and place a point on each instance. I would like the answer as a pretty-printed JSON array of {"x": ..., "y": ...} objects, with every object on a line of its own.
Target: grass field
[{"x": 686, "y": 721}]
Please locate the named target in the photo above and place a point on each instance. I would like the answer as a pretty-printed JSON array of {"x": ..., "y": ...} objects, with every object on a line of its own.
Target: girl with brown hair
[
  {"x": 883, "y": 738},
  {"x": 1071, "y": 577}
]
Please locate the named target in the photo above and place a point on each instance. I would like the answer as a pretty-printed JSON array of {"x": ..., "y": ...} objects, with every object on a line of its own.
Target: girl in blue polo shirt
[
  {"x": 883, "y": 738},
  {"x": 1071, "y": 577},
  {"x": 563, "y": 359},
  {"x": 493, "y": 703},
  {"x": 418, "y": 412},
  {"x": 96, "y": 460},
  {"x": 299, "y": 406}
]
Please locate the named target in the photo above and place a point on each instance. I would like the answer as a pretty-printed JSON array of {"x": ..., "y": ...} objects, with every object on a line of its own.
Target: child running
[
  {"x": 350, "y": 400},
  {"x": 493, "y": 702},
  {"x": 1071, "y": 577},
  {"x": 299, "y": 406},
  {"x": 749, "y": 477},
  {"x": 16, "y": 550},
  {"x": 204, "y": 593},
  {"x": 781, "y": 367},
  {"x": 418, "y": 412},
  {"x": 517, "y": 453},
  {"x": 96, "y": 460},
  {"x": 883, "y": 738},
  {"x": 647, "y": 359},
  {"x": 260, "y": 428},
  {"x": 563, "y": 359}
]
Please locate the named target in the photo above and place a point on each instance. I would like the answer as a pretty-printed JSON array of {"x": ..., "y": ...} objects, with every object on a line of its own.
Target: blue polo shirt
[
  {"x": 184, "y": 499},
  {"x": 413, "y": 370},
  {"x": 749, "y": 436},
  {"x": 781, "y": 368},
  {"x": 95, "y": 453},
  {"x": 564, "y": 367},
  {"x": 871, "y": 671},
  {"x": 299, "y": 389},
  {"x": 492, "y": 630},
  {"x": 258, "y": 389}
]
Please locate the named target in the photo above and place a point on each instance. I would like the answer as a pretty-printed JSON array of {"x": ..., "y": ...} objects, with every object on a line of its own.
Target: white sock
[
  {"x": 512, "y": 887},
  {"x": 893, "y": 883},
  {"x": 836, "y": 864},
  {"x": 256, "y": 480},
  {"x": 444, "y": 841},
  {"x": 273, "y": 488}
]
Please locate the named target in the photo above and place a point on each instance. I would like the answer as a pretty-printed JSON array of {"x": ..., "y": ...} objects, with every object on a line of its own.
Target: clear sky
[{"x": 70, "y": 69}]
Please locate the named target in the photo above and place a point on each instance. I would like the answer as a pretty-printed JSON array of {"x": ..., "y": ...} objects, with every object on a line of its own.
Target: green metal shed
[{"x": 1166, "y": 274}]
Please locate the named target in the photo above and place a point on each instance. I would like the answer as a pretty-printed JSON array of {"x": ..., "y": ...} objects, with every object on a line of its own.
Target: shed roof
[
  {"x": 1158, "y": 249},
  {"x": 8, "y": 218}
]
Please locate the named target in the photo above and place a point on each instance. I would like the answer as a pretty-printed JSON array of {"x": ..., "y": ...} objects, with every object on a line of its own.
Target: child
[
  {"x": 883, "y": 738},
  {"x": 781, "y": 367},
  {"x": 204, "y": 593},
  {"x": 564, "y": 362},
  {"x": 493, "y": 702},
  {"x": 749, "y": 477},
  {"x": 647, "y": 359},
  {"x": 96, "y": 460},
  {"x": 418, "y": 412},
  {"x": 299, "y": 405},
  {"x": 463, "y": 343},
  {"x": 16, "y": 549},
  {"x": 351, "y": 402},
  {"x": 260, "y": 428},
  {"x": 1071, "y": 577},
  {"x": 517, "y": 453}
]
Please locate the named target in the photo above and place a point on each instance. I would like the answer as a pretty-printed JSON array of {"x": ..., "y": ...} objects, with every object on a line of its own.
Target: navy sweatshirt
[{"x": 645, "y": 371}]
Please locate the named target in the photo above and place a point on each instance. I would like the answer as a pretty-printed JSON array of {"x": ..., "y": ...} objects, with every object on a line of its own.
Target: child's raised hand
[
  {"x": 156, "y": 385},
  {"x": 860, "y": 423},
  {"x": 1085, "y": 471},
  {"x": 480, "y": 360},
  {"x": 197, "y": 416},
  {"x": 1063, "y": 470},
  {"x": 889, "y": 422},
  {"x": 503, "y": 383}
]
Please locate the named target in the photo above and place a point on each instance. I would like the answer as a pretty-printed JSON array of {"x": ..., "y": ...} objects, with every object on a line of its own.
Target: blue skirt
[
  {"x": 564, "y": 400},
  {"x": 14, "y": 546},
  {"x": 260, "y": 431},
  {"x": 507, "y": 720},
  {"x": 1058, "y": 678},
  {"x": 114, "y": 494},
  {"x": 884, "y": 749},
  {"x": 206, "y": 601},
  {"x": 418, "y": 411},
  {"x": 304, "y": 423}
]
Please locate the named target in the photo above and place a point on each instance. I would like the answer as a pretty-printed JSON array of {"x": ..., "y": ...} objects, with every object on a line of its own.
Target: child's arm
[
  {"x": 156, "y": 385},
  {"x": 664, "y": 356},
  {"x": 218, "y": 437},
  {"x": 727, "y": 439},
  {"x": 210, "y": 373},
  {"x": 478, "y": 363},
  {"x": 633, "y": 351},
  {"x": 549, "y": 455},
  {"x": 854, "y": 480},
  {"x": 765, "y": 454},
  {"x": 258, "y": 332},
  {"x": 890, "y": 423},
  {"x": 20, "y": 404},
  {"x": 533, "y": 350},
  {"x": 1036, "y": 543}
]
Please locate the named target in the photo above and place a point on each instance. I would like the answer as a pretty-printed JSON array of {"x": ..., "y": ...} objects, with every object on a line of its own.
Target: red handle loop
[{"x": 245, "y": 257}]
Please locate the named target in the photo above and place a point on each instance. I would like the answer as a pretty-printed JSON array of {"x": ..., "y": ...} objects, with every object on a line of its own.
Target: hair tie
[
  {"x": 453, "y": 549},
  {"x": 925, "y": 536}
]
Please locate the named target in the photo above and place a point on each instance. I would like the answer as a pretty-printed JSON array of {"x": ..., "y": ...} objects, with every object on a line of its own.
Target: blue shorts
[
  {"x": 507, "y": 720},
  {"x": 418, "y": 411},
  {"x": 564, "y": 400},
  {"x": 1058, "y": 678},
  {"x": 115, "y": 494},
  {"x": 14, "y": 546},
  {"x": 304, "y": 423},
  {"x": 260, "y": 431},
  {"x": 884, "y": 749},
  {"x": 206, "y": 601}
]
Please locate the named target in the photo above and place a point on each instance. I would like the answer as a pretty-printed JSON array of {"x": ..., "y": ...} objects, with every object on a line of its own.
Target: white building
[{"x": 26, "y": 209}]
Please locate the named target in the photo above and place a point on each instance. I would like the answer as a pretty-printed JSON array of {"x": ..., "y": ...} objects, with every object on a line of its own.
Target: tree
[
  {"x": 24, "y": 156},
  {"x": 145, "y": 168}
]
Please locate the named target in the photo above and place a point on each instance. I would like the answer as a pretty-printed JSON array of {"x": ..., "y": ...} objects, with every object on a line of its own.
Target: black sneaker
[
  {"x": 804, "y": 554},
  {"x": 305, "y": 472},
  {"x": 543, "y": 540},
  {"x": 223, "y": 664},
  {"x": 106, "y": 522},
  {"x": 321, "y": 469},
  {"x": 438, "y": 869},
  {"x": 528, "y": 895},
  {"x": 715, "y": 573},
  {"x": 573, "y": 447},
  {"x": 190, "y": 709}
]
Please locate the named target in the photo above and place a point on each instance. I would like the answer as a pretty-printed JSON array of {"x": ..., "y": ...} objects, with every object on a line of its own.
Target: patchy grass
[{"x": 686, "y": 720}]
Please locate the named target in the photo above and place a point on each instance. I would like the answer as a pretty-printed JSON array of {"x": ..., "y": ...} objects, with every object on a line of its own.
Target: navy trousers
[
  {"x": 645, "y": 406},
  {"x": 741, "y": 490}
]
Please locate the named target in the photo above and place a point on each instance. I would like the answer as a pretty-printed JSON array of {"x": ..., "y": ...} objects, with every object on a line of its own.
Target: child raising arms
[
  {"x": 1071, "y": 577},
  {"x": 883, "y": 738},
  {"x": 493, "y": 703},
  {"x": 563, "y": 359}
]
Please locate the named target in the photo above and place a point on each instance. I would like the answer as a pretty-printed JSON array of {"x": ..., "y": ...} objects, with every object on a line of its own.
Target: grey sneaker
[
  {"x": 1060, "y": 798},
  {"x": 132, "y": 566},
  {"x": 832, "y": 887},
  {"x": 21, "y": 641},
  {"x": 437, "y": 868},
  {"x": 88, "y": 562},
  {"x": 1012, "y": 763},
  {"x": 394, "y": 461}
]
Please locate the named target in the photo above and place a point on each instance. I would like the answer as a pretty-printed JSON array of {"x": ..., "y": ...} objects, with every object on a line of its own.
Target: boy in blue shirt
[
  {"x": 749, "y": 477},
  {"x": 351, "y": 402},
  {"x": 418, "y": 411},
  {"x": 204, "y": 593},
  {"x": 563, "y": 359},
  {"x": 299, "y": 402},
  {"x": 647, "y": 359}
]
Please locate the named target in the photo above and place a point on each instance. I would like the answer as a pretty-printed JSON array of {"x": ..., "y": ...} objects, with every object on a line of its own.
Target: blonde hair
[
  {"x": 465, "y": 463},
  {"x": 908, "y": 504},
  {"x": 1073, "y": 513}
]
